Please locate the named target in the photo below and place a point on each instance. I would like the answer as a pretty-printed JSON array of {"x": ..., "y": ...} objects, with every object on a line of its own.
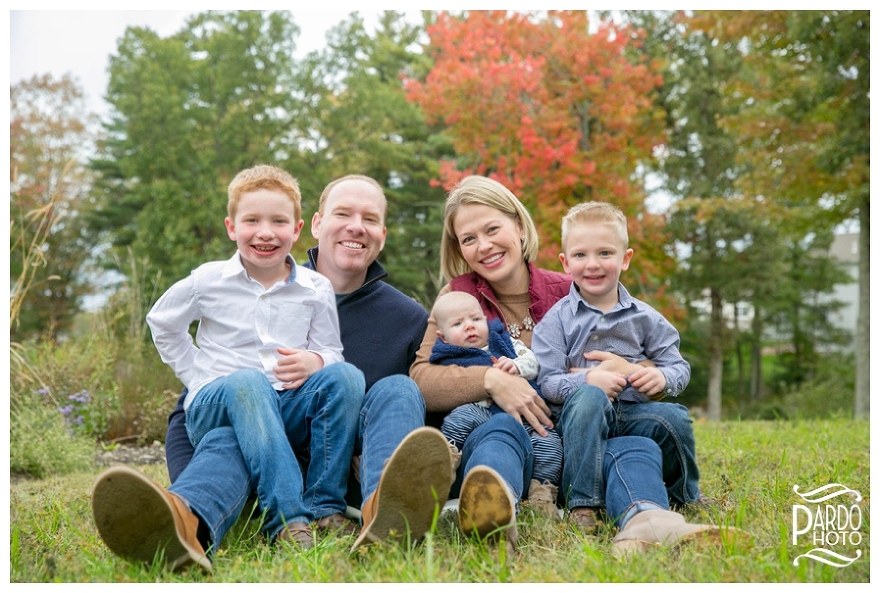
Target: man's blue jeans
[
  {"x": 589, "y": 420},
  {"x": 393, "y": 407},
  {"x": 502, "y": 444},
  {"x": 633, "y": 478},
  {"x": 321, "y": 416}
]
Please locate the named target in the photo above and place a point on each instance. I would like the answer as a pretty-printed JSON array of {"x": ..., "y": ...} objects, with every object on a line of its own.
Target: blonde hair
[
  {"x": 595, "y": 213},
  {"x": 322, "y": 201},
  {"x": 263, "y": 177},
  {"x": 484, "y": 192}
]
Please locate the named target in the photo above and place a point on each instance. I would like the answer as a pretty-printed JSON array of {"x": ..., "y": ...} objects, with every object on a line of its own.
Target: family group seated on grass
[{"x": 305, "y": 379}]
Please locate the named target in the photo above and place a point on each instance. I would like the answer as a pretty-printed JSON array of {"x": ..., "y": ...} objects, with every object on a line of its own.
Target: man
[{"x": 405, "y": 468}]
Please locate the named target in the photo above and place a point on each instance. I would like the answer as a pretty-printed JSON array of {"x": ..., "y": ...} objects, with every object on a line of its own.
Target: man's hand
[
  {"x": 515, "y": 396},
  {"x": 295, "y": 366}
]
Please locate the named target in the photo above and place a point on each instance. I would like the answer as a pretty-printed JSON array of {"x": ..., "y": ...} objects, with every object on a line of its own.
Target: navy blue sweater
[{"x": 381, "y": 330}]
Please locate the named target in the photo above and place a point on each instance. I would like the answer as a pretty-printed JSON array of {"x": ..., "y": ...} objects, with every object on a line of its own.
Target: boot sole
[
  {"x": 485, "y": 504},
  {"x": 136, "y": 521},
  {"x": 414, "y": 483},
  {"x": 716, "y": 537}
]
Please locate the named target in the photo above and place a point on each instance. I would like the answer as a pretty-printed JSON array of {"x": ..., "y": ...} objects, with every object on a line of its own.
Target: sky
[{"x": 80, "y": 42}]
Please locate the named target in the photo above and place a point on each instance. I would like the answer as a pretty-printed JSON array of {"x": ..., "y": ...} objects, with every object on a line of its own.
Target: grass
[{"x": 749, "y": 467}]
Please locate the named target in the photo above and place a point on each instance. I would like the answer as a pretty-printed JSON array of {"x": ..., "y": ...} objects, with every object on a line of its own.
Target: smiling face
[
  {"x": 460, "y": 320},
  {"x": 264, "y": 229},
  {"x": 350, "y": 233},
  {"x": 491, "y": 244},
  {"x": 595, "y": 256}
]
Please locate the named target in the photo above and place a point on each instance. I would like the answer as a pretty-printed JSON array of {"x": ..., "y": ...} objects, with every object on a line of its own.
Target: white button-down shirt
[{"x": 241, "y": 323}]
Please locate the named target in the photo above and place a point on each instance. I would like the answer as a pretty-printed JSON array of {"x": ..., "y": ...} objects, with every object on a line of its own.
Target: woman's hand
[
  {"x": 515, "y": 396},
  {"x": 616, "y": 364}
]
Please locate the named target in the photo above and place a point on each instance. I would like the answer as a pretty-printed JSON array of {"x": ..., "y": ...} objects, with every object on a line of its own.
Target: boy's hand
[
  {"x": 506, "y": 365},
  {"x": 295, "y": 366},
  {"x": 648, "y": 380},
  {"x": 609, "y": 382}
]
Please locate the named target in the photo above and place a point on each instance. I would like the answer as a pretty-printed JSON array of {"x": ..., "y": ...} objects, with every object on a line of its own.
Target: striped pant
[{"x": 463, "y": 420}]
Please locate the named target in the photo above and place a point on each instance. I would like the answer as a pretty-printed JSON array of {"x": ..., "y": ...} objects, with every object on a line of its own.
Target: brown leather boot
[
  {"x": 414, "y": 483},
  {"x": 140, "y": 520},
  {"x": 298, "y": 533},
  {"x": 649, "y": 529},
  {"x": 586, "y": 519},
  {"x": 336, "y": 523}
]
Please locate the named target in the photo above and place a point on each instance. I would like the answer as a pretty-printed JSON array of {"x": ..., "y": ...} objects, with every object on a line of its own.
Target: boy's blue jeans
[
  {"x": 634, "y": 483},
  {"x": 216, "y": 482},
  {"x": 589, "y": 420},
  {"x": 268, "y": 425}
]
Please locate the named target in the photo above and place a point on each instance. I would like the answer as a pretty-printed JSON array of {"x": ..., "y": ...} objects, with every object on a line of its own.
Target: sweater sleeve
[{"x": 445, "y": 387}]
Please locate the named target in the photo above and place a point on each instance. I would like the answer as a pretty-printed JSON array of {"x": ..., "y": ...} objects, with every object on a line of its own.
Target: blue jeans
[
  {"x": 589, "y": 419},
  {"x": 503, "y": 444},
  {"x": 633, "y": 478},
  {"x": 393, "y": 407},
  {"x": 320, "y": 416}
]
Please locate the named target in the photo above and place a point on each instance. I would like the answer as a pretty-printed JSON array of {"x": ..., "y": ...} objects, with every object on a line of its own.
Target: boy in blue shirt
[{"x": 599, "y": 314}]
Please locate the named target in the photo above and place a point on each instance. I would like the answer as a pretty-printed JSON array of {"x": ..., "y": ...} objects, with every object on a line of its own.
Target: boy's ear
[
  {"x": 626, "y": 257},
  {"x": 440, "y": 335},
  {"x": 564, "y": 263},
  {"x": 230, "y": 228}
]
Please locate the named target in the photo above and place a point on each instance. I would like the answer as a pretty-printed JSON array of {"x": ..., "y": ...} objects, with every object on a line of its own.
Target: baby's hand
[
  {"x": 648, "y": 380},
  {"x": 609, "y": 382},
  {"x": 506, "y": 365}
]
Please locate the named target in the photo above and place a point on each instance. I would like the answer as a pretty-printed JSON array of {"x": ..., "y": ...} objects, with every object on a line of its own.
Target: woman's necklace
[{"x": 526, "y": 325}]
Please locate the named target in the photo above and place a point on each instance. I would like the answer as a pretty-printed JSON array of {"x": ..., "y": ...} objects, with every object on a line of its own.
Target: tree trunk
[
  {"x": 716, "y": 358},
  {"x": 756, "y": 376},
  {"x": 863, "y": 323}
]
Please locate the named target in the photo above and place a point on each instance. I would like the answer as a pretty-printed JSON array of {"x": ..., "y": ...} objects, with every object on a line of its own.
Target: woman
[{"x": 489, "y": 241}]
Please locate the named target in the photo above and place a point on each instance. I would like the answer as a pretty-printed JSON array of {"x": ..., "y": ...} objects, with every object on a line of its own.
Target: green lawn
[{"x": 750, "y": 468}]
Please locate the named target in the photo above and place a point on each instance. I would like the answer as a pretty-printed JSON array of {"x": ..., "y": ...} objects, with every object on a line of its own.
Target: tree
[
  {"x": 50, "y": 132},
  {"x": 189, "y": 112},
  {"x": 555, "y": 113},
  {"x": 805, "y": 125},
  {"x": 360, "y": 122}
]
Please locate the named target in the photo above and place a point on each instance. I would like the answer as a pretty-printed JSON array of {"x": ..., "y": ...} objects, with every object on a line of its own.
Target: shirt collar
[
  {"x": 234, "y": 266},
  {"x": 624, "y": 299}
]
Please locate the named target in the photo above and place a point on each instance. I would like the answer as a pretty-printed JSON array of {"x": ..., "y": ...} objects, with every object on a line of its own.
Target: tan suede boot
[
  {"x": 542, "y": 498},
  {"x": 487, "y": 504},
  {"x": 414, "y": 483},
  {"x": 649, "y": 529},
  {"x": 139, "y": 520}
]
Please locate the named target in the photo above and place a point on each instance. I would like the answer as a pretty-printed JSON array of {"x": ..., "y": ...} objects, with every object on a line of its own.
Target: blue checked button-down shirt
[{"x": 633, "y": 330}]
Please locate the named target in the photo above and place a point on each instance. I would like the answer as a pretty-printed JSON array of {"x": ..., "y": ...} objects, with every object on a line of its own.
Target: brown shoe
[
  {"x": 542, "y": 498},
  {"x": 487, "y": 505},
  {"x": 585, "y": 519},
  {"x": 140, "y": 520},
  {"x": 413, "y": 486},
  {"x": 649, "y": 529},
  {"x": 336, "y": 523},
  {"x": 297, "y": 533}
]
